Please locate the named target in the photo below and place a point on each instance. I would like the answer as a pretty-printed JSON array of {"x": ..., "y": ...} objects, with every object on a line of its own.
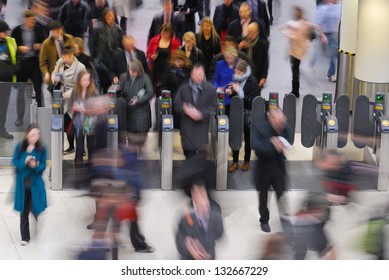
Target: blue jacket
[
  {"x": 222, "y": 77},
  {"x": 38, "y": 191}
]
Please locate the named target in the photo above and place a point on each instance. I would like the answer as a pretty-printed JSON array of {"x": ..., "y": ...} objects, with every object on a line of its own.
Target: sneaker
[
  {"x": 23, "y": 243},
  {"x": 245, "y": 166},
  {"x": 91, "y": 226},
  {"x": 148, "y": 249},
  {"x": 332, "y": 78},
  {"x": 233, "y": 167},
  {"x": 69, "y": 151},
  {"x": 265, "y": 227},
  {"x": 6, "y": 135},
  {"x": 18, "y": 122}
]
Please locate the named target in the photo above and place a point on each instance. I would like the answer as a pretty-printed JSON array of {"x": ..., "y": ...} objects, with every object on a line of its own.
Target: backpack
[{"x": 373, "y": 241}]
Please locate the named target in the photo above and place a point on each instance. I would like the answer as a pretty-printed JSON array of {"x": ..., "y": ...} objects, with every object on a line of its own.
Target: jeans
[{"x": 332, "y": 50}]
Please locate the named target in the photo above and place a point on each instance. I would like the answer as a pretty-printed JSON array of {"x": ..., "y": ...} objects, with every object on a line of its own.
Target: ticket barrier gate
[
  {"x": 112, "y": 121},
  {"x": 370, "y": 122},
  {"x": 165, "y": 139},
  {"x": 57, "y": 121},
  {"x": 259, "y": 108},
  {"x": 321, "y": 128}
]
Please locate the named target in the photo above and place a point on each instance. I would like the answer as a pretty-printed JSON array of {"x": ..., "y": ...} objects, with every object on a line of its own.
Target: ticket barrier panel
[
  {"x": 164, "y": 108},
  {"x": 222, "y": 152},
  {"x": 112, "y": 120},
  {"x": 167, "y": 127},
  {"x": 383, "y": 169},
  {"x": 57, "y": 121}
]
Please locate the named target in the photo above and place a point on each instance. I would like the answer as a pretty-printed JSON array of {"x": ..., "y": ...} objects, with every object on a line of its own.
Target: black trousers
[
  {"x": 68, "y": 125},
  {"x": 269, "y": 177},
  {"x": 247, "y": 147},
  {"x": 5, "y": 90},
  {"x": 24, "y": 221},
  {"x": 295, "y": 64},
  {"x": 29, "y": 69}
]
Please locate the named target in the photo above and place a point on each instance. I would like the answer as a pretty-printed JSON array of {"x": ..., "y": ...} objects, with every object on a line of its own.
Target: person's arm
[
  {"x": 260, "y": 140},
  {"x": 41, "y": 163},
  {"x": 43, "y": 65},
  {"x": 149, "y": 93},
  {"x": 264, "y": 67},
  {"x": 18, "y": 158}
]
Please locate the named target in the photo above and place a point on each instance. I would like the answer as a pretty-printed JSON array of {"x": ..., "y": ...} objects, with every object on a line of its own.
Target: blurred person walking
[
  {"x": 9, "y": 66},
  {"x": 200, "y": 227},
  {"x": 29, "y": 159},
  {"x": 122, "y": 9},
  {"x": 196, "y": 102},
  {"x": 223, "y": 15},
  {"x": 328, "y": 18},
  {"x": 29, "y": 37},
  {"x": 74, "y": 15},
  {"x": 298, "y": 32},
  {"x": 269, "y": 140}
]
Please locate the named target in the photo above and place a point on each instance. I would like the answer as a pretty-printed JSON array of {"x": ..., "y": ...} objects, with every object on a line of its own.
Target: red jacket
[{"x": 153, "y": 46}]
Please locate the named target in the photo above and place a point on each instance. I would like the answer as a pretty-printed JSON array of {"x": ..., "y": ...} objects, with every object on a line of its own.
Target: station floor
[{"x": 61, "y": 230}]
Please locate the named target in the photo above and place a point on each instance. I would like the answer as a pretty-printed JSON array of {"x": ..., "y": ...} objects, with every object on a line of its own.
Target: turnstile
[{"x": 57, "y": 123}]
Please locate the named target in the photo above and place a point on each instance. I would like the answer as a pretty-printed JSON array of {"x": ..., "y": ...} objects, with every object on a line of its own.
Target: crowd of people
[{"x": 229, "y": 54}]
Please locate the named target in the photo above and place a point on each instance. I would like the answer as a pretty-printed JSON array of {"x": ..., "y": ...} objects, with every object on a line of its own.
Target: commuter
[
  {"x": 74, "y": 15},
  {"x": 9, "y": 64},
  {"x": 185, "y": 10},
  {"x": 178, "y": 73},
  {"x": 103, "y": 41},
  {"x": 158, "y": 54},
  {"x": 96, "y": 8},
  {"x": 195, "y": 102},
  {"x": 208, "y": 42},
  {"x": 122, "y": 9},
  {"x": 51, "y": 50},
  {"x": 246, "y": 87},
  {"x": 29, "y": 37},
  {"x": 229, "y": 41},
  {"x": 238, "y": 28},
  {"x": 269, "y": 140},
  {"x": 166, "y": 16},
  {"x": 3, "y": 5},
  {"x": 270, "y": 9},
  {"x": 29, "y": 159},
  {"x": 259, "y": 12},
  {"x": 223, "y": 15},
  {"x": 328, "y": 18},
  {"x": 122, "y": 57},
  {"x": 64, "y": 77},
  {"x": 191, "y": 50},
  {"x": 84, "y": 123},
  {"x": 200, "y": 226},
  {"x": 224, "y": 71},
  {"x": 298, "y": 32},
  {"x": 257, "y": 50},
  {"x": 137, "y": 90}
]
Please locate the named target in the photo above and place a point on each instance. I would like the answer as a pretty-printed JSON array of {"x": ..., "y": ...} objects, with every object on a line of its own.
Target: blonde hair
[
  {"x": 231, "y": 51},
  {"x": 191, "y": 36},
  {"x": 80, "y": 43},
  {"x": 214, "y": 34}
]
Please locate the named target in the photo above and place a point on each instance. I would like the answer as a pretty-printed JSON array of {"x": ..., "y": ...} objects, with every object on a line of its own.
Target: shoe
[
  {"x": 6, "y": 135},
  {"x": 91, "y": 226},
  {"x": 332, "y": 78},
  {"x": 233, "y": 167},
  {"x": 18, "y": 122},
  {"x": 245, "y": 166},
  {"x": 148, "y": 249},
  {"x": 69, "y": 151},
  {"x": 23, "y": 243},
  {"x": 265, "y": 227}
]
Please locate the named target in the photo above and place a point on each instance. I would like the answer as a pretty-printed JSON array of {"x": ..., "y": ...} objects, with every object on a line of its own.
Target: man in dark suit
[
  {"x": 29, "y": 37},
  {"x": 199, "y": 228},
  {"x": 166, "y": 16},
  {"x": 259, "y": 12},
  {"x": 257, "y": 50},
  {"x": 187, "y": 9},
  {"x": 122, "y": 58},
  {"x": 223, "y": 15},
  {"x": 238, "y": 27},
  {"x": 196, "y": 101},
  {"x": 269, "y": 138}
]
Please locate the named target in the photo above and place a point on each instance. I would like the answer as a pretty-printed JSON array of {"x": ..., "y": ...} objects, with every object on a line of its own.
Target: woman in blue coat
[{"x": 29, "y": 158}]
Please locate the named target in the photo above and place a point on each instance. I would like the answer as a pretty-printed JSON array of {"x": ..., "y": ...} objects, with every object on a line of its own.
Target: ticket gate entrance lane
[
  {"x": 236, "y": 123},
  {"x": 371, "y": 131},
  {"x": 342, "y": 112}
]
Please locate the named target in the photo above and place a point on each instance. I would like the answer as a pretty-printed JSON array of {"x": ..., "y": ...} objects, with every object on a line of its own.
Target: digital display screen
[
  {"x": 379, "y": 98},
  {"x": 220, "y": 96},
  {"x": 327, "y": 98},
  {"x": 165, "y": 95}
]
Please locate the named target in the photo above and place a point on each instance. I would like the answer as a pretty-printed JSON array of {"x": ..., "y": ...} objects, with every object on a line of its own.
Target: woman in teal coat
[{"x": 29, "y": 158}]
